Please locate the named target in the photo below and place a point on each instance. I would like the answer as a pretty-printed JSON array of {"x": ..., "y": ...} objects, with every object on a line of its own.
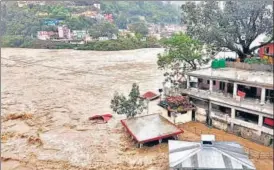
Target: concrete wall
[
  {"x": 200, "y": 115},
  {"x": 181, "y": 118},
  {"x": 219, "y": 125}
]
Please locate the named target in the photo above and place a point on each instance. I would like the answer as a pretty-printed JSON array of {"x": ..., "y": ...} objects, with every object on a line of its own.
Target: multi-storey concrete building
[{"x": 216, "y": 94}]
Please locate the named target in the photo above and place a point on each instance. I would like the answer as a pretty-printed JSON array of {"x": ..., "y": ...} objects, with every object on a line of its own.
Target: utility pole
[{"x": 147, "y": 106}]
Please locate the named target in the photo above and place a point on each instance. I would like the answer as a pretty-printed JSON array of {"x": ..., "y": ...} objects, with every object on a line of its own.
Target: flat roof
[
  {"x": 150, "y": 128},
  {"x": 219, "y": 155},
  {"x": 251, "y": 77}
]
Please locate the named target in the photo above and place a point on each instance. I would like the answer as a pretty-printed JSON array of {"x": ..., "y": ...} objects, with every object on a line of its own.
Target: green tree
[
  {"x": 121, "y": 21},
  {"x": 139, "y": 28},
  {"x": 182, "y": 53},
  {"x": 130, "y": 106},
  {"x": 103, "y": 29},
  {"x": 234, "y": 27}
]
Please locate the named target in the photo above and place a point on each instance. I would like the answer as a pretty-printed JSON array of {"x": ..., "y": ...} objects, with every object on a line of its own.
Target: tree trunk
[{"x": 244, "y": 54}]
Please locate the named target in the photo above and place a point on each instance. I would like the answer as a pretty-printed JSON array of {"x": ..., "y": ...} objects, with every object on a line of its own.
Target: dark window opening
[
  {"x": 169, "y": 113},
  {"x": 230, "y": 88},
  {"x": 269, "y": 95},
  {"x": 207, "y": 81},
  {"x": 220, "y": 110},
  {"x": 214, "y": 82},
  {"x": 266, "y": 50},
  {"x": 250, "y": 92},
  {"x": 207, "y": 142},
  {"x": 247, "y": 117},
  {"x": 222, "y": 85}
]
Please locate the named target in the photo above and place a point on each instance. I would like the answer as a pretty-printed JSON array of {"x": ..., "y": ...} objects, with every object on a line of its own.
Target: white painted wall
[{"x": 181, "y": 118}]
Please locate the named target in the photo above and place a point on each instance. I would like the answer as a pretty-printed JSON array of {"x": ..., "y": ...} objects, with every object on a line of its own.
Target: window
[
  {"x": 207, "y": 81},
  {"x": 214, "y": 82},
  {"x": 207, "y": 142},
  {"x": 222, "y": 85},
  {"x": 266, "y": 50}
]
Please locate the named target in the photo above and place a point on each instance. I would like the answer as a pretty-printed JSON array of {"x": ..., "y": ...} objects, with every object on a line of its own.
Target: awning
[{"x": 269, "y": 121}]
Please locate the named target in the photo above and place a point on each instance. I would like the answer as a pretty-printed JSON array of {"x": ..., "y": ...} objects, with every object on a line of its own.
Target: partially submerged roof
[
  {"x": 150, "y": 128},
  {"x": 218, "y": 155},
  {"x": 259, "y": 78}
]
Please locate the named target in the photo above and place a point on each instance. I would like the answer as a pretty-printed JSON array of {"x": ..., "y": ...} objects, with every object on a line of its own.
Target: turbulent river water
[{"x": 60, "y": 89}]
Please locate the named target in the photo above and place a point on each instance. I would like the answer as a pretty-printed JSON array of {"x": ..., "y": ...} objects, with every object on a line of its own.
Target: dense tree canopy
[
  {"x": 234, "y": 27},
  {"x": 139, "y": 28},
  {"x": 153, "y": 11},
  {"x": 103, "y": 29},
  {"x": 182, "y": 54}
]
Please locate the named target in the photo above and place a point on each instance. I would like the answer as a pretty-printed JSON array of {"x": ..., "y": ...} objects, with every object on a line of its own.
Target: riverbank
[{"x": 129, "y": 43}]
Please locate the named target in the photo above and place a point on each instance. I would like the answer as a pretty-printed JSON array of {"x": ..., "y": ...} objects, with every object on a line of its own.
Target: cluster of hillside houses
[{"x": 64, "y": 33}]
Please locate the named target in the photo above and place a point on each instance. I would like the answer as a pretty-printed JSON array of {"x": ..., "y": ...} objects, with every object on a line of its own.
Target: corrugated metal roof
[{"x": 219, "y": 155}]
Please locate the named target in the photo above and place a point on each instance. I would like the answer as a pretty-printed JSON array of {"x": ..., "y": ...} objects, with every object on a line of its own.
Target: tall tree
[
  {"x": 235, "y": 26},
  {"x": 139, "y": 28},
  {"x": 182, "y": 54},
  {"x": 130, "y": 106}
]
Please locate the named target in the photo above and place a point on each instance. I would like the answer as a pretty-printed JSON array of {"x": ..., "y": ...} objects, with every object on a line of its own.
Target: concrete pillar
[
  {"x": 188, "y": 82},
  {"x": 235, "y": 87},
  {"x": 160, "y": 140},
  {"x": 263, "y": 96},
  {"x": 225, "y": 87},
  {"x": 140, "y": 145},
  {"x": 232, "y": 118},
  {"x": 210, "y": 85},
  {"x": 260, "y": 122}
]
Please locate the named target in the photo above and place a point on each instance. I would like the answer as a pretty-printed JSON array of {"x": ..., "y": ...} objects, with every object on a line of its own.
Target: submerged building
[
  {"x": 207, "y": 154},
  {"x": 149, "y": 128},
  {"x": 234, "y": 99}
]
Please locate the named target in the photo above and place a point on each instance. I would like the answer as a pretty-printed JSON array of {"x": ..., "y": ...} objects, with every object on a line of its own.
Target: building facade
[
  {"x": 45, "y": 35},
  {"x": 267, "y": 52},
  {"x": 64, "y": 32},
  {"x": 234, "y": 99}
]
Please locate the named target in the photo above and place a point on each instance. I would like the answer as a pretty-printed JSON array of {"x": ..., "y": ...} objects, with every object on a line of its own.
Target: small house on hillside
[
  {"x": 208, "y": 154},
  {"x": 267, "y": 52}
]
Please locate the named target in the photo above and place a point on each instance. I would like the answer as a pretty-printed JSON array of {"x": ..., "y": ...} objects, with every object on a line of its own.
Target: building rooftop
[
  {"x": 150, "y": 128},
  {"x": 217, "y": 155},
  {"x": 258, "y": 78}
]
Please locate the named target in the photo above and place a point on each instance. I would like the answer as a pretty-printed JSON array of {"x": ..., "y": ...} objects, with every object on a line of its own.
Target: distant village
[{"x": 65, "y": 34}]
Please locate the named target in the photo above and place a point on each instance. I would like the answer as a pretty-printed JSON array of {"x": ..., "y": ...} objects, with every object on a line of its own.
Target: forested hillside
[{"x": 27, "y": 20}]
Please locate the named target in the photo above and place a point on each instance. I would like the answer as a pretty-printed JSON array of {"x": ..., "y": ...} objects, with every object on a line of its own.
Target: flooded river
[{"x": 58, "y": 90}]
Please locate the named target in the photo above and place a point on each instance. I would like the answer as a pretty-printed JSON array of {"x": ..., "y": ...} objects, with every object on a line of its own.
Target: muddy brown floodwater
[{"x": 47, "y": 97}]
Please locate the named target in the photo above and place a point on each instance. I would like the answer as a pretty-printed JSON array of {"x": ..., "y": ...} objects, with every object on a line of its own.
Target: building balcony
[
  {"x": 248, "y": 104},
  {"x": 220, "y": 115}
]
